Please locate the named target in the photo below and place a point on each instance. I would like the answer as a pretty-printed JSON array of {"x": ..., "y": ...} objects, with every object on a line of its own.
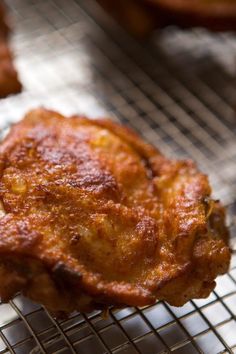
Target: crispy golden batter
[
  {"x": 92, "y": 216},
  {"x": 9, "y": 83},
  {"x": 141, "y": 17}
]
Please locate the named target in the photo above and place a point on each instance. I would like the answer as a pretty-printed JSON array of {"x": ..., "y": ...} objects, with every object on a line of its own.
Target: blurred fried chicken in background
[
  {"x": 9, "y": 83},
  {"x": 141, "y": 17}
]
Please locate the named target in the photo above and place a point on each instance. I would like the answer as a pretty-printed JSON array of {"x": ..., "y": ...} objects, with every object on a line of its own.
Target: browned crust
[{"x": 99, "y": 217}]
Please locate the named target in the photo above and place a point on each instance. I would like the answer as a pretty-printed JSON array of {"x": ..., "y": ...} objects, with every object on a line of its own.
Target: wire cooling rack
[{"x": 179, "y": 91}]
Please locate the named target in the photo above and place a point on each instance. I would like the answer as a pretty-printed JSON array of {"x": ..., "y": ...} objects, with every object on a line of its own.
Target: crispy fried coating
[
  {"x": 141, "y": 17},
  {"x": 93, "y": 216},
  {"x": 9, "y": 83}
]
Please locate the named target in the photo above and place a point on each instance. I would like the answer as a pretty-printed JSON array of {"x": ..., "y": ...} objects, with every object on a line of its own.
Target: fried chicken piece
[
  {"x": 9, "y": 83},
  {"x": 92, "y": 216},
  {"x": 4, "y": 22},
  {"x": 141, "y": 17}
]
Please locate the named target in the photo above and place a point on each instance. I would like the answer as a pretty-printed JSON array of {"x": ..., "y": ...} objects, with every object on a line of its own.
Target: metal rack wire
[{"x": 179, "y": 91}]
